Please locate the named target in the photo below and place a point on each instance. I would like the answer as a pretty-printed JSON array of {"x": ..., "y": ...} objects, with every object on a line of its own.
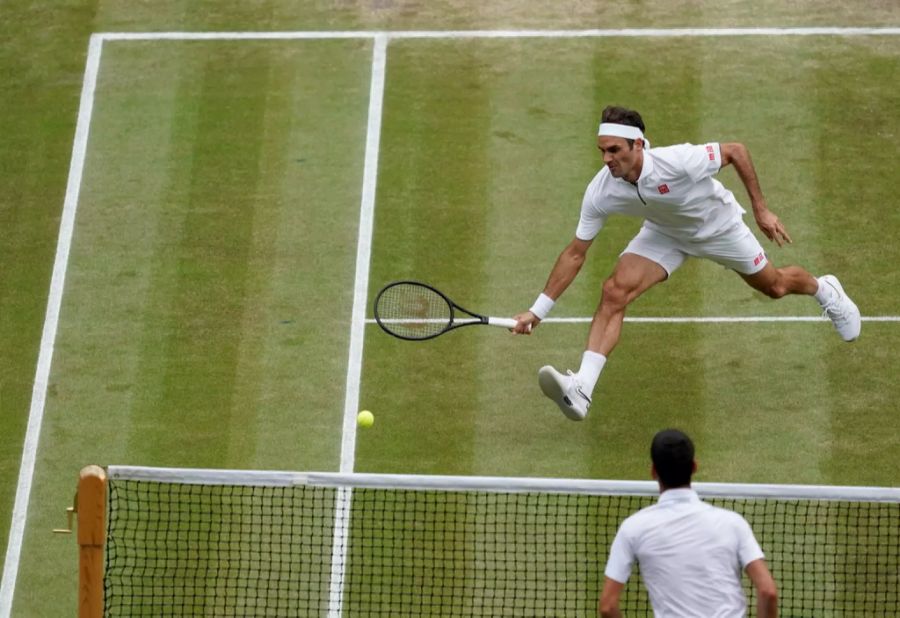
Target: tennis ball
[{"x": 365, "y": 419}]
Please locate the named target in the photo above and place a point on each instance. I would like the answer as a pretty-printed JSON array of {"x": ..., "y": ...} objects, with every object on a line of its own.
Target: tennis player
[
  {"x": 687, "y": 213},
  {"x": 691, "y": 553}
]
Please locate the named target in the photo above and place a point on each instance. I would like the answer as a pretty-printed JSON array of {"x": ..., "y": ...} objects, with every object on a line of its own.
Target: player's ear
[
  {"x": 694, "y": 467},
  {"x": 653, "y": 473}
]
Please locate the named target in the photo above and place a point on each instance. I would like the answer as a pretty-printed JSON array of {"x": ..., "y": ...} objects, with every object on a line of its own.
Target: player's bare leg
[
  {"x": 632, "y": 276},
  {"x": 827, "y": 290},
  {"x": 779, "y": 282}
]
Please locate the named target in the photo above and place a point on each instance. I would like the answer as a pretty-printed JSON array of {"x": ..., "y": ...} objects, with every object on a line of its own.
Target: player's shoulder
[
  {"x": 731, "y": 517},
  {"x": 674, "y": 151},
  {"x": 642, "y": 518},
  {"x": 677, "y": 158},
  {"x": 599, "y": 184}
]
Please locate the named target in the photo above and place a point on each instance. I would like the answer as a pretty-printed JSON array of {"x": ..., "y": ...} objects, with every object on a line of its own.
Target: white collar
[
  {"x": 647, "y": 166},
  {"x": 681, "y": 494}
]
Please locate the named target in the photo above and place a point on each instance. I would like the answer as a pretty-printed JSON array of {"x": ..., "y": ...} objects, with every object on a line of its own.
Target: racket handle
[{"x": 502, "y": 322}]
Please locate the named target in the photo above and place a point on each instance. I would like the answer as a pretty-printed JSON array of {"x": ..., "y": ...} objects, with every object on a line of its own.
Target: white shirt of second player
[{"x": 691, "y": 556}]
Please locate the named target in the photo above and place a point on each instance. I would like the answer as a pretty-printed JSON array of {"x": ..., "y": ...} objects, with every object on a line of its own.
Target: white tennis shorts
[{"x": 737, "y": 249}]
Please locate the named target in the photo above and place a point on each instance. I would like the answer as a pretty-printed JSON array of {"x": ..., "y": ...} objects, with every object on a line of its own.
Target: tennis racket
[{"x": 415, "y": 311}]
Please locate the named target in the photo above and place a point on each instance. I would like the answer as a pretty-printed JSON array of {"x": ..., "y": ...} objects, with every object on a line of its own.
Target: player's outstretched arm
[
  {"x": 564, "y": 271},
  {"x": 737, "y": 154},
  {"x": 766, "y": 590}
]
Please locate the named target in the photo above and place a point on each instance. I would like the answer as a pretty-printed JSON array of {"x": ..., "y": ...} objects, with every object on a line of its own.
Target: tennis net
[{"x": 235, "y": 543}]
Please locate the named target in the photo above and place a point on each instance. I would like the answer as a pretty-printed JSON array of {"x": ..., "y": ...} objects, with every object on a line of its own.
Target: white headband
[{"x": 620, "y": 130}]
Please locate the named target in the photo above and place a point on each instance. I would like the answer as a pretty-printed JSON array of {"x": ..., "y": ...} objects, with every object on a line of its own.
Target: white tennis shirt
[
  {"x": 691, "y": 556},
  {"x": 675, "y": 194}
]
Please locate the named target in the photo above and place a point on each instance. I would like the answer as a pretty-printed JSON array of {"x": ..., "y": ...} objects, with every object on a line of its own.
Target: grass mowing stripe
[
  {"x": 430, "y": 226},
  {"x": 303, "y": 252},
  {"x": 848, "y": 171},
  {"x": 213, "y": 216},
  {"x": 42, "y": 377},
  {"x": 285, "y": 258},
  {"x": 739, "y": 363},
  {"x": 859, "y": 229},
  {"x": 542, "y": 155}
]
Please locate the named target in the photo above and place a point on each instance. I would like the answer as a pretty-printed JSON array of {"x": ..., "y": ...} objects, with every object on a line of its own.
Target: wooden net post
[{"x": 91, "y": 508}]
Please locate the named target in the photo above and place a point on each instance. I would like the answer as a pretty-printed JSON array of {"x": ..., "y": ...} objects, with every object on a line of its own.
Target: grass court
[{"x": 212, "y": 284}]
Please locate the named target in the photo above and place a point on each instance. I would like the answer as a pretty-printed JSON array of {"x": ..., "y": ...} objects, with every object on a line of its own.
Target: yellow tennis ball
[{"x": 365, "y": 419}]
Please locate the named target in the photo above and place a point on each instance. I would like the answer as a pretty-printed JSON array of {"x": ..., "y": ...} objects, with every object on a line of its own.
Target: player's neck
[
  {"x": 663, "y": 488},
  {"x": 635, "y": 172}
]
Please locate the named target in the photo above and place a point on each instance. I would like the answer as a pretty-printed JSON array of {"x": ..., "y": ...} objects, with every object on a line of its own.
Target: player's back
[{"x": 689, "y": 554}]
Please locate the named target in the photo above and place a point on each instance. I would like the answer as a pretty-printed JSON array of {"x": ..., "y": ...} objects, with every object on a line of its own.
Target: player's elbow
[
  {"x": 578, "y": 248},
  {"x": 576, "y": 258},
  {"x": 733, "y": 151}
]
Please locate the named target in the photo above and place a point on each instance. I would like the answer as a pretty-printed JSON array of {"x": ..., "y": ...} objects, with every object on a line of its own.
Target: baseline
[{"x": 501, "y": 34}]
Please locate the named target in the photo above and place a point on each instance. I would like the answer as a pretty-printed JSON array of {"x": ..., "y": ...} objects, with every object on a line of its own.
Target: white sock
[
  {"x": 591, "y": 366},
  {"x": 825, "y": 293}
]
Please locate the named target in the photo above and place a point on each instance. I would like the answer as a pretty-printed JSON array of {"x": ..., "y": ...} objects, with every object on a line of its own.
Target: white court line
[
  {"x": 501, "y": 34},
  {"x": 51, "y": 321},
  {"x": 357, "y": 327},
  {"x": 363, "y": 253},
  {"x": 680, "y": 320}
]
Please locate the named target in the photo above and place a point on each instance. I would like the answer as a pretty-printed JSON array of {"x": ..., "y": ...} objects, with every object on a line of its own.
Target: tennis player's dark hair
[
  {"x": 672, "y": 453},
  {"x": 622, "y": 115}
]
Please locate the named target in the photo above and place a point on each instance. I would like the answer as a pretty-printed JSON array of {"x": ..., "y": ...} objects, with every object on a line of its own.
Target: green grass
[
  {"x": 205, "y": 319},
  {"x": 185, "y": 339},
  {"x": 490, "y": 239}
]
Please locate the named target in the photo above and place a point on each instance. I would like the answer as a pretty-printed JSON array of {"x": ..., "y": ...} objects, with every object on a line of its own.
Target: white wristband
[{"x": 542, "y": 306}]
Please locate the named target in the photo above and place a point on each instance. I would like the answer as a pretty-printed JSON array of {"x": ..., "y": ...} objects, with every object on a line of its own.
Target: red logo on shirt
[
  {"x": 711, "y": 152},
  {"x": 759, "y": 258},
  {"x": 663, "y": 189}
]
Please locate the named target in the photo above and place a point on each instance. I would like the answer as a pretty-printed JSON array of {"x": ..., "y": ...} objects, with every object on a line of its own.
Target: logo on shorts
[
  {"x": 759, "y": 259},
  {"x": 663, "y": 189},
  {"x": 711, "y": 153}
]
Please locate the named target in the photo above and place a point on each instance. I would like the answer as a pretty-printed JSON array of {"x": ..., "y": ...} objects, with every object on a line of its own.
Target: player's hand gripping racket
[{"x": 416, "y": 311}]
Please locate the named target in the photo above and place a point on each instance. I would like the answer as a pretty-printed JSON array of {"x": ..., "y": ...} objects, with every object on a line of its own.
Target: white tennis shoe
[
  {"x": 842, "y": 311},
  {"x": 565, "y": 391}
]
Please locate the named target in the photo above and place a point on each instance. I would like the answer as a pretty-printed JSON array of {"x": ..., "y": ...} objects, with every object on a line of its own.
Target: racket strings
[{"x": 413, "y": 311}]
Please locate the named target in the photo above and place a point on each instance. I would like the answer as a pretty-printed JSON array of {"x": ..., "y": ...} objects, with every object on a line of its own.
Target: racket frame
[{"x": 451, "y": 324}]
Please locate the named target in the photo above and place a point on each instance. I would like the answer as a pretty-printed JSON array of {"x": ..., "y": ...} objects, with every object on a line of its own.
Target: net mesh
[
  {"x": 412, "y": 311},
  {"x": 229, "y": 550}
]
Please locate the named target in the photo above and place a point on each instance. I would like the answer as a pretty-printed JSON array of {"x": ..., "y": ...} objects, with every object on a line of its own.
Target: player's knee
[{"x": 615, "y": 295}]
